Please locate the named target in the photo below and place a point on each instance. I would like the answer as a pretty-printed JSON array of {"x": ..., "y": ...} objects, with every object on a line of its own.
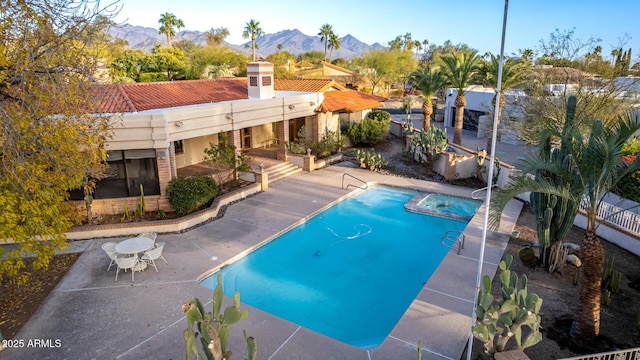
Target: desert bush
[
  {"x": 629, "y": 186},
  {"x": 370, "y": 159},
  {"x": 330, "y": 143},
  {"x": 188, "y": 194},
  {"x": 631, "y": 147},
  {"x": 371, "y": 130},
  {"x": 153, "y": 77}
]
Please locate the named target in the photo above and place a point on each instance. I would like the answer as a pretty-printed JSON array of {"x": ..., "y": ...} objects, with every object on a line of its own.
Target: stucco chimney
[{"x": 260, "y": 80}]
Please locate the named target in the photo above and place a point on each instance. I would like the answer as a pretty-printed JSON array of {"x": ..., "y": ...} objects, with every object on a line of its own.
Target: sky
[{"x": 477, "y": 23}]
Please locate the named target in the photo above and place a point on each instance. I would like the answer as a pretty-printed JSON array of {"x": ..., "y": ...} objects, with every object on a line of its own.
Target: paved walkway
[{"x": 90, "y": 316}]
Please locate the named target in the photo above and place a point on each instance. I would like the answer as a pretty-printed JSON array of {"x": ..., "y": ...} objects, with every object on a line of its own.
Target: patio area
[{"x": 93, "y": 316}]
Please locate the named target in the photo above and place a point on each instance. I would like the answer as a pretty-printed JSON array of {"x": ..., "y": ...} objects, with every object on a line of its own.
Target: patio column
[
  {"x": 282, "y": 133},
  {"x": 234, "y": 138},
  {"x": 163, "y": 162}
]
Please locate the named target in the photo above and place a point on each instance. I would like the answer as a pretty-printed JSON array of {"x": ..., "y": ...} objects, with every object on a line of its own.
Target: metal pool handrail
[
  {"x": 362, "y": 181},
  {"x": 452, "y": 238},
  {"x": 475, "y": 192}
]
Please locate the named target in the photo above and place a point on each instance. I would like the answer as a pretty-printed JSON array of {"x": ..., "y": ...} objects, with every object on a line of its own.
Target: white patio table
[{"x": 134, "y": 246}]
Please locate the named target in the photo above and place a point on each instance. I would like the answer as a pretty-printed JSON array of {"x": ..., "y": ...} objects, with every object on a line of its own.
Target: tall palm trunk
[
  {"x": 586, "y": 326},
  {"x": 427, "y": 110},
  {"x": 503, "y": 101},
  {"x": 253, "y": 47},
  {"x": 460, "y": 103}
]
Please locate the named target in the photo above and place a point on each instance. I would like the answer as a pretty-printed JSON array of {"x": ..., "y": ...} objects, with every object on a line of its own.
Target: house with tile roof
[
  {"x": 326, "y": 70},
  {"x": 159, "y": 128}
]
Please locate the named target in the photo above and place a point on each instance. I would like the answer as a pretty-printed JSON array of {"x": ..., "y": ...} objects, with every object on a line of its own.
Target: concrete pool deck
[{"x": 90, "y": 316}]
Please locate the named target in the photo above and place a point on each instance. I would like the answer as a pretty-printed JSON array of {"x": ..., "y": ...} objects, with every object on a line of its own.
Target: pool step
[{"x": 281, "y": 171}]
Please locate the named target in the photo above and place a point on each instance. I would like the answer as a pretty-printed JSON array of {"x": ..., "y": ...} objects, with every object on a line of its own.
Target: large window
[{"x": 126, "y": 171}]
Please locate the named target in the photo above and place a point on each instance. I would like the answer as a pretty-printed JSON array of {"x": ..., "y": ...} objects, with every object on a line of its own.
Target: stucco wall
[{"x": 194, "y": 150}]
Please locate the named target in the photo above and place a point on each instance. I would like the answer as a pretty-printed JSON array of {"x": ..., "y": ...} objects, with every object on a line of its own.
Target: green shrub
[
  {"x": 188, "y": 194},
  {"x": 153, "y": 77},
  {"x": 371, "y": 130},
  {"x": 631, "y": 147},
  {"x": 629, "y": 186},
  {"x": 379, "y": 115}
]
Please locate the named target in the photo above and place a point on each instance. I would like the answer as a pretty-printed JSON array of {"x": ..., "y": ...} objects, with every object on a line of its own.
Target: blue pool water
[{"x": 350, "y": 272}]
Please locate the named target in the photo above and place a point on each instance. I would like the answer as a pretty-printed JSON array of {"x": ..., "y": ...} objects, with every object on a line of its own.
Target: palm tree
[
  {"x": 168, "y": 22},
  {"x": 459, "y": 69},
  {"x": 325, "y": 35},
  {"x": 428, "y": 80},
  {"x": 513, "y": 71},
  {"x": 334, "y": 43},
  {"x": 252, "y": 30},
  {"x": 593, "y": 167},
  {"x": 527, "y": 55}
]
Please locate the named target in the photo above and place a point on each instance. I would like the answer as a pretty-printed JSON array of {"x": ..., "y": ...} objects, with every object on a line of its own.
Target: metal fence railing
[
  {"x": 618, "y": 217},
  {"x": 629, "y": 354}
]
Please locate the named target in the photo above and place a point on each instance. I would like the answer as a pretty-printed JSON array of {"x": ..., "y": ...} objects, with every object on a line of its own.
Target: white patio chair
[
  {"x": 125, "y": 263},
  {"x": 110, "y": 249},
  {"x": 149, "y": 235},
  {"x": 151, "y": 255}
]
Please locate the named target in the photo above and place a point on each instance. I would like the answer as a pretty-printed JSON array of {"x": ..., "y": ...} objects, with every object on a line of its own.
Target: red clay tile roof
[
  {"x": 116, "y": 98},
  {"x": 349, "y": 101},
  {"x": 339, "y": 68},
  {"x": 122, "y": 98},
  {"x": 306, "y": 85},
  {"x": 304, "y": 64}
]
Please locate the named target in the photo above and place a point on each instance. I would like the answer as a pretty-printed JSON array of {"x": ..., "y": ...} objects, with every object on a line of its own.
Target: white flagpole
[{"x": 489, "y": 182}]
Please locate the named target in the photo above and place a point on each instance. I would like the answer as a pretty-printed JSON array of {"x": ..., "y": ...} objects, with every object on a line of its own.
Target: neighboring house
[
  {"x": 325, "y": 70},
  {"x": 479, "y": 110},
  {"x": 161, "y": 127}
]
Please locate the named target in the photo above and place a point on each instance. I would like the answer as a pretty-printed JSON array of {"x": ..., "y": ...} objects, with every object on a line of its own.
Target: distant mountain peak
[{"x": 292, "y": 40}]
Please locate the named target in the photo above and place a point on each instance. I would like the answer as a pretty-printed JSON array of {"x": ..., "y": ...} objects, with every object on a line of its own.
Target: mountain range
[{"x": 293, "y": 41}]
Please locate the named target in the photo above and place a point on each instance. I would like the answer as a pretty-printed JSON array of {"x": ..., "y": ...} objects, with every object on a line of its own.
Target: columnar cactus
[
  {"x": 498, "y": 322},
  {"x": 554, "y": 215},
  {"x": 213, "y": 327}
]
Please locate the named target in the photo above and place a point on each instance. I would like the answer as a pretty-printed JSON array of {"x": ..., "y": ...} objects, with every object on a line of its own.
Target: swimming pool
[{"x": 349, "y": 272}]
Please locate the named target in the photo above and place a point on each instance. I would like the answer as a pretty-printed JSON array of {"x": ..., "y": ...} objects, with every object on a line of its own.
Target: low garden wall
[
  {"x": 310, "y": 162},
  {"x": 163, "y": 226}
]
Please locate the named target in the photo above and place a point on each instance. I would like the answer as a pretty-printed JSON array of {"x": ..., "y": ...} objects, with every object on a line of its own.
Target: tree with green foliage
[
  {"x": 325, "y": 35},
  {"x": 168, "y": 24},
  {"x": 252, "y": 30},
  {"x": 513, "y": 72},
  {"x": 210, "y": 62},
  {"x": 459, "y": 69},
  {"x": 374, "y": 67},
  {"x": 216, "y": 36},
  {"x": 312, "y": 56},
  {"x": 130, "y": 65},
  {"x": 593, "y": 167},
  {"x": 432, "y": 53},
  {"x": 225, "y": 161},
  {"x": 170, "y": 61},
  {"x": 50, "y": 143},
  {"x": 598, "y": 97},
  {"x": 428, "y": 80}
]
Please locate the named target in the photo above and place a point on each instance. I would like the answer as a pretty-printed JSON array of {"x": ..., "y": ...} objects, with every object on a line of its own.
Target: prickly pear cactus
[
  {"x": 515, "y": 316},
  {"x": 213, "y": 327}
]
